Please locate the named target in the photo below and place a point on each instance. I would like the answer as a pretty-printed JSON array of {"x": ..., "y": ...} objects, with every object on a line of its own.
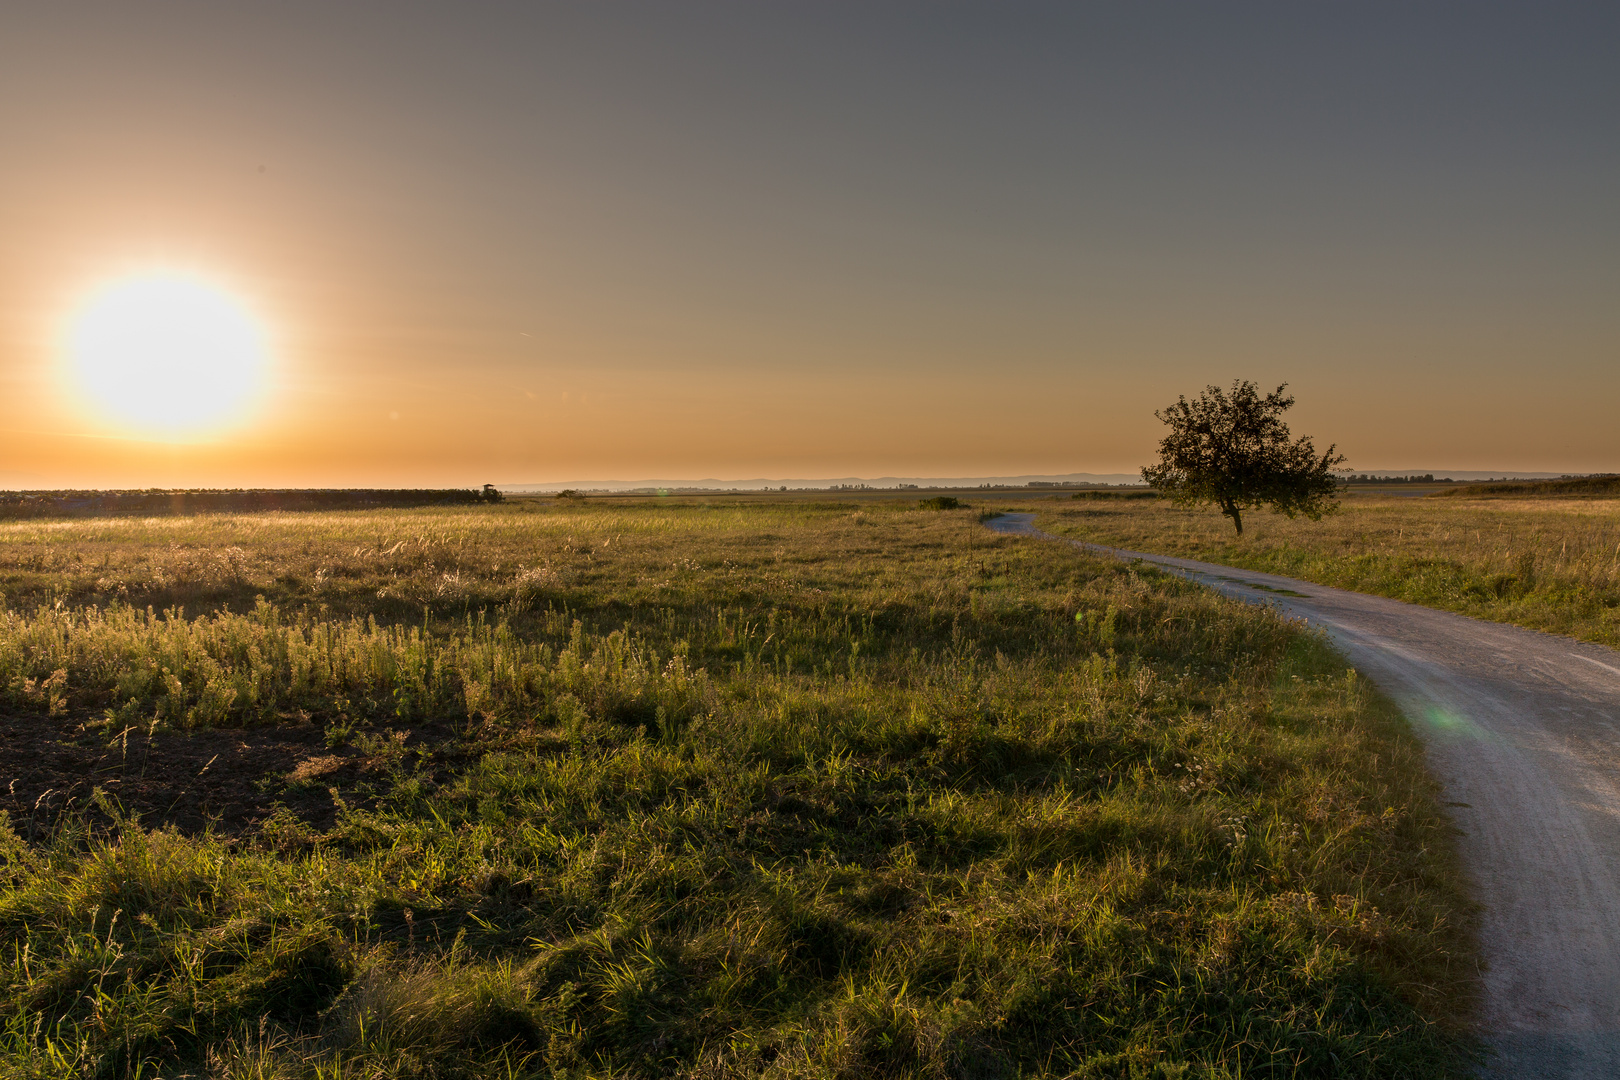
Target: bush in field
[{"x": 941, "y": 502}]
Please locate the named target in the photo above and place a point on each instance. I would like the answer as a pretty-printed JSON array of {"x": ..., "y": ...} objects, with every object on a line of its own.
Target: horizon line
[{"x": 1021, "y": 480}]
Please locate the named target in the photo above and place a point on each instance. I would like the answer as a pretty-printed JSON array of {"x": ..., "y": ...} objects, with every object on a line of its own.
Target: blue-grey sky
[{"x": 537, "y": 241}]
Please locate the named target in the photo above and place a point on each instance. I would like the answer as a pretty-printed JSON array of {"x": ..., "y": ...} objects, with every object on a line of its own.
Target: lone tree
[{"x": 1233, "y": 449}]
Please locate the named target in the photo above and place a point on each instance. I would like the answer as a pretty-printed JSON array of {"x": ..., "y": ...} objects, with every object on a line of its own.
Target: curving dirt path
[{"x": 1523, "y": 732}]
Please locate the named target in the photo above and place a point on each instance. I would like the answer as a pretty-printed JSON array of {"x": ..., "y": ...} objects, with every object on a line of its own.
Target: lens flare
[{"x": 167, "y": 355}]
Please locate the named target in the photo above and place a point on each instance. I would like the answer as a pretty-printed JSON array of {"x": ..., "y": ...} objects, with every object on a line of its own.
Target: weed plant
[
  {"x": 1542, "y": 563},
  {"x": 795, "y": 790}
]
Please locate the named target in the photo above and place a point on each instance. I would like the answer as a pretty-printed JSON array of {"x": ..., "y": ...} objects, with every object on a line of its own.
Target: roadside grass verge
[
  {"x": 1540, "y": 563},
  {"x": 786, "y": 791}
]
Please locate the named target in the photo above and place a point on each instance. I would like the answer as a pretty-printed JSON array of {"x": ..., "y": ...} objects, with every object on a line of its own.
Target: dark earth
[{"x": 225, "y": 781}]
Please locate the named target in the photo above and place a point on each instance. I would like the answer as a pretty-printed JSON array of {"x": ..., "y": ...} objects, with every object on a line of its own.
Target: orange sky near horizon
[{"x": 621, "y": 242}]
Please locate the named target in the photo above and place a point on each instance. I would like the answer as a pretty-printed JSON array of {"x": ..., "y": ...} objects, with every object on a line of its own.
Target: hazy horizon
[
  {"x": 717, "y": 239},
  {"x": 887, "y": 482}
]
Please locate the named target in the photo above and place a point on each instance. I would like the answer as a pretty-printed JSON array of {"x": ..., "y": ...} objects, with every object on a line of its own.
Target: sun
[{"x": 168, "y": 355}]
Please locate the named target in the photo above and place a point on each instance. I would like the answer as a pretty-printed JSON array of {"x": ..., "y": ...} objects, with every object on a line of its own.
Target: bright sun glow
[{"x": 167, "y": 354}]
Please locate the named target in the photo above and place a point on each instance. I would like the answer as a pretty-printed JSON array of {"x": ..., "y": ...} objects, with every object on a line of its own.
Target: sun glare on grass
[{"x": 167, "y": 355}]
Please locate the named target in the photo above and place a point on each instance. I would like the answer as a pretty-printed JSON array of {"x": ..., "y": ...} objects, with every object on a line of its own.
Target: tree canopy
[{"x": 1232, "y": 449}]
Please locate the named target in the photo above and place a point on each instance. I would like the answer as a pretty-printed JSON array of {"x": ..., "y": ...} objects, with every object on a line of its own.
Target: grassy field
[
  {"x": 745, "y": 788},
  {"x": 1546, "y": 563}
]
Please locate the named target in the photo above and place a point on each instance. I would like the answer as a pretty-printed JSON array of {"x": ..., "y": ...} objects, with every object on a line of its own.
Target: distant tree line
[
  {"x": 31, "y": 504},
  {"x": 1369, "y": 478}
]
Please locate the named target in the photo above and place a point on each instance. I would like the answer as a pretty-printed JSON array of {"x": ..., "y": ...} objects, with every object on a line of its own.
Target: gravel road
[{"x": 1523, "y": 732}]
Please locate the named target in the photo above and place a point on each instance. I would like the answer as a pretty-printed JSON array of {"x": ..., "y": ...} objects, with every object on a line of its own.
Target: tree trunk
[{"x": 1231, "y": 510}]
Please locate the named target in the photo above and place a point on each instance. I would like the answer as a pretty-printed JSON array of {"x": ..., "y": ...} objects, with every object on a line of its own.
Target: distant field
[
  {"x": 728, "y": 787},
  {"x": 1546, "y": 556},
  {"x": 40, "y": 504},
  {"x": 1604, "y": 487}
]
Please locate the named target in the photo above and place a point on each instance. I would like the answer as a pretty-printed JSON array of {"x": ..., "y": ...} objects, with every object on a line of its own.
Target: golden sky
[{"x": 513, "y": 243}]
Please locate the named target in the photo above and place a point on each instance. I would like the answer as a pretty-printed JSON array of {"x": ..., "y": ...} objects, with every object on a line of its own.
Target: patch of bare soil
[{"x": 224, "y": 780}]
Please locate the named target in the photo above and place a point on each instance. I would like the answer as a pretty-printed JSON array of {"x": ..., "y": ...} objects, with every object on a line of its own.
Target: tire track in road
[{"x": 1522, "y": 730}]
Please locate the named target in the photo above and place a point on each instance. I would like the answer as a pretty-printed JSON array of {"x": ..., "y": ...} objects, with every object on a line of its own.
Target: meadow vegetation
[
  {"x": 786, "y": 789},
  {"x": 1568, "y": 487},
  {"x": 1546, "y": 563}
]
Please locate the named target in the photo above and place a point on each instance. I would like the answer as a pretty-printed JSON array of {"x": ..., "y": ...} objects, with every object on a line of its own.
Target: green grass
[
  {"x": 1544, "y": 563},
  {"x": 793, "y": 789}
]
